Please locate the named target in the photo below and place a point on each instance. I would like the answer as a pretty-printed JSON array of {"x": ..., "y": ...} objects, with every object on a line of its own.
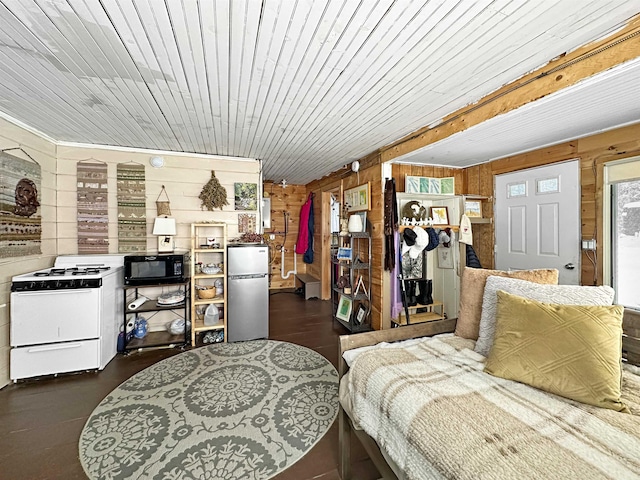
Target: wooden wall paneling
[
  {"x": 536, "y": 158},
  {"x": 343, "y": 180},
  {"x": 400, "y": 170},
  {"x": 484, "y": 233},
  {"x": 459, "y": 179},
  {"x": 324, "y": 231},
  {"x": 284, "y": 201},
  {"x": 595, "y": 150},
  {"x": 322, "y": 254}
]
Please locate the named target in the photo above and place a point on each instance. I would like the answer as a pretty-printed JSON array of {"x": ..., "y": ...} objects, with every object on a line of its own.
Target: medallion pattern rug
[{"x": 227, "y": 411}]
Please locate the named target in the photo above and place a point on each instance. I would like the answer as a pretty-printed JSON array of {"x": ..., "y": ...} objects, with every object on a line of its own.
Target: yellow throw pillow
[
  {"x": 570, "y": 350},
  {"x": 472, "y": 290}
]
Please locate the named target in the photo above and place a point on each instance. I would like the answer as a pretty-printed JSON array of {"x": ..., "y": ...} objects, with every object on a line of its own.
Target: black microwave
[{"x": 155, "y": 269}]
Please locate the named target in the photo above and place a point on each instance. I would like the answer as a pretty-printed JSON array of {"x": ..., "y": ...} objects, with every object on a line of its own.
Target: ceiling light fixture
[{"x": 156, "y": 162}]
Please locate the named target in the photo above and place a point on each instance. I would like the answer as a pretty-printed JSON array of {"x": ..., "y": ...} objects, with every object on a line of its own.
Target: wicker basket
[
  {"x": 163, "y": 206},
  {"x": 206, "y": 292}
]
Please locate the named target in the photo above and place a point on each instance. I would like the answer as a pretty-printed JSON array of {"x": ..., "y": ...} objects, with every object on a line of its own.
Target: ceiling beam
[{"x": 560, "y": 73}]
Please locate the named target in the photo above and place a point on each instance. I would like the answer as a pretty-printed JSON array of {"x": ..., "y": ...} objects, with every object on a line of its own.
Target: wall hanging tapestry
[
  {"x": 20, "y": 218},
  {"x": 245, "y": 410},
  {"x": 132, "y": 209},
  {"x": 246, "y": 223},
  {"x": 246, "y": 195},
  {"x": 93, "y": 212}
]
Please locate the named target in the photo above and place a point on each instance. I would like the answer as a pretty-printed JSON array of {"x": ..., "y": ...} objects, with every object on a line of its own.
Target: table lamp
[{"x": 165, "y": 229}]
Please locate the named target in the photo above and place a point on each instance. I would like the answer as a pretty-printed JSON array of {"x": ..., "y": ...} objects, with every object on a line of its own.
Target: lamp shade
[
  {"x": 355, "y": 224},
  {"x": 164, "y": 226}
]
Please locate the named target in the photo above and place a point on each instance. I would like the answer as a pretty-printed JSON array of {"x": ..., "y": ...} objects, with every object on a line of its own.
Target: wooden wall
[
  {"x": 478, "y": 180},
  {"x": 343, "y": 180},
  {"x": 482, "y": 239},
  {"x": 285, "y": 201},
  {"x": 400, "y": 170},
  {"x": 593, "y": 151},
  {"x": 44, "y": 152}
]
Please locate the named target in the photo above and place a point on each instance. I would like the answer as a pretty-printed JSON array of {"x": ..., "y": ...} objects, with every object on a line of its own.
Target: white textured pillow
[{"x": 558, "y": 294}]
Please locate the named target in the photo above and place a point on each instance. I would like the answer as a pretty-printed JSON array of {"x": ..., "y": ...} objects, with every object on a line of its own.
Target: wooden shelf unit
[{"x": 199, "y": 233}]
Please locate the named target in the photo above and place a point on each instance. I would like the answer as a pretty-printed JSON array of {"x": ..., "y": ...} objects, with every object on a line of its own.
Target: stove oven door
[{"x": 54, "y": 316}]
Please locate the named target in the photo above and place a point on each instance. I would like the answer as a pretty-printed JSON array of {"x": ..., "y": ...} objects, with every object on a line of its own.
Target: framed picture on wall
[
  {"x": 361, "y": 314},
  {"x": 473, "y": 208},
  {"x": 445, "y": 257},
  {"x": 440, "y": 215},
  {"x": 359, "y": 198},
  {"x": 344, "y": 308},
  {"x": 442, "y": 186},
  {"x": 344, "y": 253}
]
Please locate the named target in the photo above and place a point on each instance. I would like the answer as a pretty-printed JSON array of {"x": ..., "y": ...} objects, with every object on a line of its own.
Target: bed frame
[{"x": 630, "y": 351}]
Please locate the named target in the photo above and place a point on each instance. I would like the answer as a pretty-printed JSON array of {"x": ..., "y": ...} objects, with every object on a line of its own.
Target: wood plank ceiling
[{"x": 305, "y": 85}]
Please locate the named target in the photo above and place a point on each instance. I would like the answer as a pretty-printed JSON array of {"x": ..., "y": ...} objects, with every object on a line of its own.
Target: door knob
[{"x": 569, "y": 266}]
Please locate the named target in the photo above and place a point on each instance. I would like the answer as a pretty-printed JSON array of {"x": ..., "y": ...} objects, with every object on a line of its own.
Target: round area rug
[{"x": 227, "y": 411}]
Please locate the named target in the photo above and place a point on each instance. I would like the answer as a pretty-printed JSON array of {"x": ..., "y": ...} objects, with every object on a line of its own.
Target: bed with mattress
[{"x": 541, "y": 399}]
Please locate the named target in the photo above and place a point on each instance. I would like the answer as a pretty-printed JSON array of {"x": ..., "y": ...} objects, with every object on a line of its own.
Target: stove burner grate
[{"x": 57, "y": 272}]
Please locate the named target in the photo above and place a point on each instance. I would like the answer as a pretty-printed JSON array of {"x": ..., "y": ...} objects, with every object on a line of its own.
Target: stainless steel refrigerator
[{"x": 247, "y": 292}]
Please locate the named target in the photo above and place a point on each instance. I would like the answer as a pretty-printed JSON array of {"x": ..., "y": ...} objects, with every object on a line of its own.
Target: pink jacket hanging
[{"x": 303, "y": 228}]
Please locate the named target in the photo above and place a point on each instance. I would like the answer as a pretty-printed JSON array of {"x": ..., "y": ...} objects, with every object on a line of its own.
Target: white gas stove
[{"x": 66, "y": 318}]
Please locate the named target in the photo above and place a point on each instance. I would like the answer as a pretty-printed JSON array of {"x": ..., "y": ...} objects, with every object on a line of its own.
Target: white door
[{"x": 537, "y": 220}]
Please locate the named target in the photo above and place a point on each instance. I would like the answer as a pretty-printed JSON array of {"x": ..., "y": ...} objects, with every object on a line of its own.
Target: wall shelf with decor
[
  {"x": 446, "y": 281},
  {"x": 473, "y": 206},
  {"x": 208, "y": 283},
  {"x": 351, "y": 281}
]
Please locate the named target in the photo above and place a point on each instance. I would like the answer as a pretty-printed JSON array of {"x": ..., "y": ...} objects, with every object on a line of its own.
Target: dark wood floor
[{"x": 41, "y": 420}]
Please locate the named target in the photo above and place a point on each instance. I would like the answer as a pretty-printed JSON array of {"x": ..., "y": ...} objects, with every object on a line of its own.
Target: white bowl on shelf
[{"x": 210, "y": 270}]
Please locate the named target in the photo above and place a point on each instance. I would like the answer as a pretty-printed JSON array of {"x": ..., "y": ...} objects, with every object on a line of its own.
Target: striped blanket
[{"x": 438, "y": 415}]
